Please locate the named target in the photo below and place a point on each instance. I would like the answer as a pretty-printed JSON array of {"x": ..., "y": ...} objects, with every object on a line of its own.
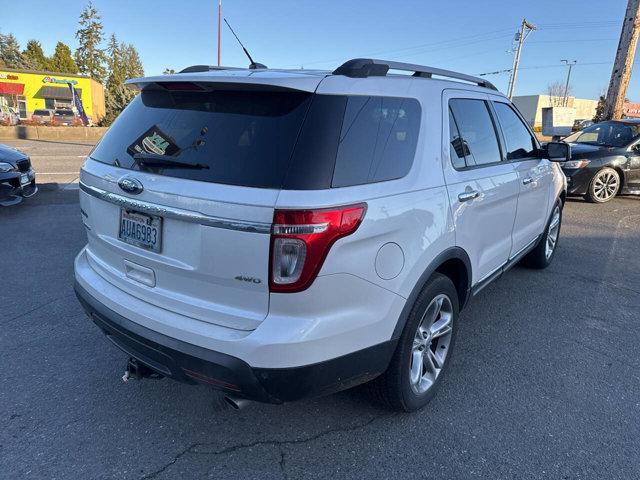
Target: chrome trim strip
[
  {"x": 177, "y": 213},
  {"x": 528, "y": 245}
]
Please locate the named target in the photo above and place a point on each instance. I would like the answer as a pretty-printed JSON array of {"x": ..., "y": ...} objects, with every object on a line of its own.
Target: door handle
[
  {"x": 527, "y": 181},
  {"x": 468, "y": 195}
]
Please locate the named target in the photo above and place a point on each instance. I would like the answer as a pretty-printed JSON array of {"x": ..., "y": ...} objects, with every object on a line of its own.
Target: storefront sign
[
  {"x": 59, "y": 80},
  {"x": 631, "y": 109},
  {"x": 8, "y": 76}
]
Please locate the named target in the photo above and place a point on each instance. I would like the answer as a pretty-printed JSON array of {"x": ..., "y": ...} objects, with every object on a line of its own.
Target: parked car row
[{"x": 41, "y": 116}]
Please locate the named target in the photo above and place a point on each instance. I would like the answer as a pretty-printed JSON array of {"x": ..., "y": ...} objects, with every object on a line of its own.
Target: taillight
[{"x": 301, "y": 239}]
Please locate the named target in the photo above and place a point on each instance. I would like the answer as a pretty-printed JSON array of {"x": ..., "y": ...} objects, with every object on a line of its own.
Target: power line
[{"x": 536, "y": 67}]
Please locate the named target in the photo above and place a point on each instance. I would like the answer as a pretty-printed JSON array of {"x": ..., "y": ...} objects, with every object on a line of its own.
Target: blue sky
[{"x": 470, "y": 36}]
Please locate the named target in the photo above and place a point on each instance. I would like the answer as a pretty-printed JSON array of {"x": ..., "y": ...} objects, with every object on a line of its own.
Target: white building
[{"x": 531, "y": 107}]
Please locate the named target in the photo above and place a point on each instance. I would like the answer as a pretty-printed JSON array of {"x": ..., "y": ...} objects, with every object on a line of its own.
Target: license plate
[
  {"x": 24, "y": 179},
  {"x": 140, "y": 229}
]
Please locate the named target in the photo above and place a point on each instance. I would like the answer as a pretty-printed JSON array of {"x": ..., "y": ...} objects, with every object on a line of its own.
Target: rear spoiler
[{"x": 230, "y": 79}]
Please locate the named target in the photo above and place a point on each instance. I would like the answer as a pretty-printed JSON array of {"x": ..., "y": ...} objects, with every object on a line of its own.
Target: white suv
[{"x": 278, "y": 234}]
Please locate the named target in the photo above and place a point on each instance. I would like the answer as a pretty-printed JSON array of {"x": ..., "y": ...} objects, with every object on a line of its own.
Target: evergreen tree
[
  {"x": 131, "y": 61},
  {"x": 34, "y": 56},
  {"x": 62, "y": 61},
  {"x": 89, "y": 57},
  {"x": 10, "y": 52},
  {"x": 599, "y": 116},
  {"x": 124, "y": 62}
]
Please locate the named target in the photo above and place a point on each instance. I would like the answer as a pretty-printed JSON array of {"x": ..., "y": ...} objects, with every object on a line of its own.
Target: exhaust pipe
[{"x": 235, "y": 402}]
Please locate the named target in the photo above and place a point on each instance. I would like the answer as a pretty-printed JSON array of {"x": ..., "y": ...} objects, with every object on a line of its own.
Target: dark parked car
[
  {"x": 17, "y": 178},
  {"x": 65, "y": 116},
  {"x": 605, "y": 160}
]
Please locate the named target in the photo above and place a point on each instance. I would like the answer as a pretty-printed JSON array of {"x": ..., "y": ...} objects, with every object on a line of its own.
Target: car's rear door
[
  {"x": 483, "y": 189},
  {"x": 535, "y": 175},
  {"x": 193, "y": 239}
]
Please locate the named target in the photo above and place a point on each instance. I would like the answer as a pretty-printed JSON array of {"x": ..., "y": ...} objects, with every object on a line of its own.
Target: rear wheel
[
  {"x": 424, "y": 349},
  {"x": 541, "y": 256},
  {"x": 604, "y": 186}
]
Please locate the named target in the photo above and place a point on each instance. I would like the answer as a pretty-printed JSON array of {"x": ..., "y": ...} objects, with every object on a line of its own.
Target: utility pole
[
  {"x": 621, "y": 73},
  {"x": 219, "y": 16},
  {"x": 569, "y": 64},
  {"x": 525, "y": 29}
]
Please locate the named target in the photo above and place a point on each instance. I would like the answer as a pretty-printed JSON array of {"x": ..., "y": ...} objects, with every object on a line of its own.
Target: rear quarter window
[{"x": 377, "y": 140}]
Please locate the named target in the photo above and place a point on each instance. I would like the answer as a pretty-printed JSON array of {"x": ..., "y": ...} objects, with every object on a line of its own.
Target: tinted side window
[
  {"x": 377, "y": 141},
  {"x": 456, "y": 145},
  {"x": 476, "y": 131},
  {"x": 519, "y": 142}
]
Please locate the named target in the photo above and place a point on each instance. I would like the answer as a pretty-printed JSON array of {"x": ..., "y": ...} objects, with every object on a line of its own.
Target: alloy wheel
[
  {"x": 605, "y": 185},
  {"x": 552, "y": 233},
  {"x": 431, "y": 344}
]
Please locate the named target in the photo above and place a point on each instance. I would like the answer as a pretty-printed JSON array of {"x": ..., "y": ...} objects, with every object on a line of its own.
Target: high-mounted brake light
[
  {"x": 301, "y": 239},
  {"x": 181, "y": 86}
]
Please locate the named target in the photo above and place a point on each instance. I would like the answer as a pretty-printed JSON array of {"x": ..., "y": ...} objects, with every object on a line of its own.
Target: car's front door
[
  {"x": 535, "y": 176},
  {"x": 483, "y": 188},
  {"x": 633, "y": 165}
]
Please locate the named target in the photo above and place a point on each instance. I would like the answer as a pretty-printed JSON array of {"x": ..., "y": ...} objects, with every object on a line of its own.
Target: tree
[
  {"x": 131, "y": 61},
  {"x": 556, "y": 94},
  {"x": 168, "y": 71},
  {"x": 89, "y": 57},
  {"x": 124, "y": 62},
  {"x": 600, "y": 109},
  {"x": 10, "y": 52},
  {"x": 34, "y": 56},
  {"x": 62, "y": 61}
]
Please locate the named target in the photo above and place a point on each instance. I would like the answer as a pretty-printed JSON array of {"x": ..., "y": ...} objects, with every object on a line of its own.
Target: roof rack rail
[
  {"x": 367, "y": 67},
  {"x": 206, "y": 68}
]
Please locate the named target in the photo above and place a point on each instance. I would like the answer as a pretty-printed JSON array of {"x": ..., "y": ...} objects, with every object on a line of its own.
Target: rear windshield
[
  {"x": 64, "y": 112},
  {"x": 41, "y": 112},
  {"x": 268, "y": 139}
]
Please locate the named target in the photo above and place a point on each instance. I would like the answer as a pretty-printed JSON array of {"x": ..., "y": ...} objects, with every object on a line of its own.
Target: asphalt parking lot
[{"x": 544, "y": 382}]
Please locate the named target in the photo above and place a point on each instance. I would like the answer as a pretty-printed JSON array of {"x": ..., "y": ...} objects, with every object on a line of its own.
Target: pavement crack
[
  {"x": 6, "y": 322},
  {"x": 194, "y": 447},
  {"x": 283, "y": 463}
]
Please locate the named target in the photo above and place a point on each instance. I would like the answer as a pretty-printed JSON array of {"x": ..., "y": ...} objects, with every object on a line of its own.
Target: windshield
[
  {"x": 608, "y": 134},
  {"x": 64, "y": 112}
]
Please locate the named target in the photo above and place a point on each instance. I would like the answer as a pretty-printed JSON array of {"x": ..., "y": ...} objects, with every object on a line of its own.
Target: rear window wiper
[{"x": 156, "y": 160}]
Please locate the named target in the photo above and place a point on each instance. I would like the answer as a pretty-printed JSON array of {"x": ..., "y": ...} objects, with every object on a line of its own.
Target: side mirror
[{"x": 558, "y": 151}]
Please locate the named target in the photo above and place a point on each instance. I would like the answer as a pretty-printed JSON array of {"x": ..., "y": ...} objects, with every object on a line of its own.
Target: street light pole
[
  {"x": 569, "y": 64},
  {"x": 525, "y": 29}
]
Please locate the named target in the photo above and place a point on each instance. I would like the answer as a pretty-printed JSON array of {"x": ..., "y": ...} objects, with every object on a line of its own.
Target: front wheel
[
  {"x": 424, "y": 349},
  {"x": 604, "y": 186},
  {"x": 542, "y": 255}
]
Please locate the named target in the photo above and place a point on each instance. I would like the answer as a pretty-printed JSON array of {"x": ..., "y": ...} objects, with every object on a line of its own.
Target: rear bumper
[{"x": 190, "y": 363}]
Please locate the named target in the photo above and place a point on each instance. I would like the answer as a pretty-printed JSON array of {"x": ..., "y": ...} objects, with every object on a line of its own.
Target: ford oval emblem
[{"x": 130, "y": 185}]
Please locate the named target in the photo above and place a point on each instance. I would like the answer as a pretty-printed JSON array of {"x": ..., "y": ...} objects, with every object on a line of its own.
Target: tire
[
  {"x": 542, "y": 255},
  {"x": 395, "y": 388},
  {"x": 604, "y": 186}
]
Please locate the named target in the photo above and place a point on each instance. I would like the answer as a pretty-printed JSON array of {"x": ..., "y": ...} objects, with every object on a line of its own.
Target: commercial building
[
  {"x": 531, "y": 106},
  {"x": 26, "y": 91}
]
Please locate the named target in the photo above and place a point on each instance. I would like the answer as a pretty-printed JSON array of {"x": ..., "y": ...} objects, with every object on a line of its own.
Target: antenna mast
[{"x": 219, "y": 16}]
